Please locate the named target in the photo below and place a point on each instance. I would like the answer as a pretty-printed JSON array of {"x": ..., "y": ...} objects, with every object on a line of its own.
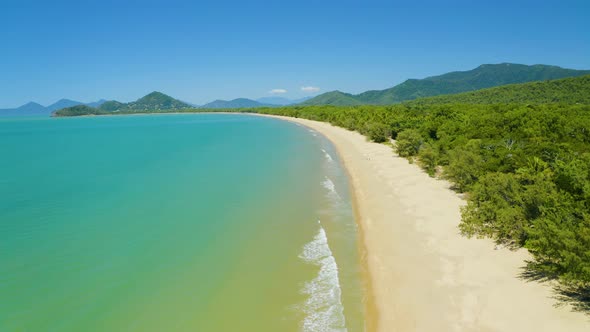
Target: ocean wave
[
  {"x": 332, "y": 193},
  {"x": 328, "y": 184},
  {"x": 323, "y": 308},
  {"x": 327, "y": 155}
]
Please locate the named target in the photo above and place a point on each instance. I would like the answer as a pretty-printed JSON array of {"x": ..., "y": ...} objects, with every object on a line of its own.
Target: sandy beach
[{"x": 424, "y": 275}]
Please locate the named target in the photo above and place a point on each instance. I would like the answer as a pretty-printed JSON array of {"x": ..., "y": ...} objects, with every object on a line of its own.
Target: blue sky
[{"x": 199, "y": 51}]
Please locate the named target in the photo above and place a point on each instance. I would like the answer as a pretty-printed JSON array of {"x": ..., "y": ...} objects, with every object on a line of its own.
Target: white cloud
[
  {"x": 277, "y": 91},
  {"x": 310, "y": 89}
]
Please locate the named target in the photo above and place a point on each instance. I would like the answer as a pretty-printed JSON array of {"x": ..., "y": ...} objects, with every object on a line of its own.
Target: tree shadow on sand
[{"x": 577, "y": 297}]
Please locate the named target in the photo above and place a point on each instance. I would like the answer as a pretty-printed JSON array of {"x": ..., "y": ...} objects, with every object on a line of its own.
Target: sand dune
[{"x": 425, "y": 276}]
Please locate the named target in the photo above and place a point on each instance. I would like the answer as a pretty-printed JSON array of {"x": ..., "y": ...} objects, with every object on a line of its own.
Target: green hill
[
  {"x": 574, "y": 90},
  {"x": 235, "y": 103},
  {"x": 111, "y": 106},
  {"x": 484, "y": 76},
  {"x": 335, "y": 98},
  {"x": 153, "y": 102},
  {"x": 156, "y": 101}
]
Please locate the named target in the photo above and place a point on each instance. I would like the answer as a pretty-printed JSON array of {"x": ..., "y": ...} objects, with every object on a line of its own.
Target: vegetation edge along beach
[{"x": 395, "y": 278}]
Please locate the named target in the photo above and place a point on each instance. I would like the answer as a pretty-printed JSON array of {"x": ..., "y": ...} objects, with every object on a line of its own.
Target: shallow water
[{"x": 204, "y": 222}]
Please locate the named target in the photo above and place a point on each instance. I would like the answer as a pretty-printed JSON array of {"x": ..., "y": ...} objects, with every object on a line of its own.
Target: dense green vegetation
[
  {"x": 335, "y": 98},
  {"x": 525, "y": 169},
  {"x": 80, "y": 110},
  {"x": 484, "y": 76},
  {"x": 112, "y": 106},
  {"x": 567, "y": 90},
  {"x": 155, "y": 101}
]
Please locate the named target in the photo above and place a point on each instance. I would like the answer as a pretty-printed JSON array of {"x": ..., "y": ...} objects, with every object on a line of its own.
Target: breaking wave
[
  {"x": 327, "y": 155},
  {"x": 328, "y": 184},
  {"x": 323, "y": 308}
]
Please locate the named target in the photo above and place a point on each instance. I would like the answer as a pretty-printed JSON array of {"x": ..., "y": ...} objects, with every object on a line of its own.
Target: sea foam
[
  {"x": 327, "y": 155},
  {"x": 323, "y": 308},
  {"x": 328, "y": 184},
  {"x": 332, "y": 193}
]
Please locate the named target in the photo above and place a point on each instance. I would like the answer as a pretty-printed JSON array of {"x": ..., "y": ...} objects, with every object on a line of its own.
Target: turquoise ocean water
[{"x": 201, "y": 222}]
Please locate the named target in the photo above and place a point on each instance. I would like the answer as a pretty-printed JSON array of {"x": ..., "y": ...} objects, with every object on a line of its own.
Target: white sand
[{"x": 425, "y": 276}]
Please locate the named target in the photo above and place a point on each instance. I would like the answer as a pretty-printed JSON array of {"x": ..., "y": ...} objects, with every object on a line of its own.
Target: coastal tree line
[{"x": 525, "y": 169}]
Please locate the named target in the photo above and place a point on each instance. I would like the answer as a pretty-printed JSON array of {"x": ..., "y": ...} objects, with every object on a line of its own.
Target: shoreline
[{"x": 423, "y": 275}]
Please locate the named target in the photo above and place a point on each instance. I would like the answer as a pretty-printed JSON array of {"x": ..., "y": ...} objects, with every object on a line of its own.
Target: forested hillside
[
  {"x": 235, "y": 103},
  {"x": 482, "y": 77},
  {"x": 568, "y": 90},
  {"x": 155, "y": 101},
  {"x": 80, "y": 110},
  {"x": 335, "y": 98}
]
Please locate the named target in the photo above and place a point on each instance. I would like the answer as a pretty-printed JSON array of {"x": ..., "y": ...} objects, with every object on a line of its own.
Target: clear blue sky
[{"x": 198, "y": 51}]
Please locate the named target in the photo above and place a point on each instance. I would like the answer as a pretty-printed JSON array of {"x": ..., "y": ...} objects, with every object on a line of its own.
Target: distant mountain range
[
  {"x": 261, "y": 102},
  {"x": 157, "y": 101},
  {"x": 34, "y": 109},
  {"x": 235, "y": 103},
  {"x": 484, "y": 76},
  {"x": 280, "y": 101},
  {"x": 573, "y": 90},
  {"x": 153, "y": 101}
]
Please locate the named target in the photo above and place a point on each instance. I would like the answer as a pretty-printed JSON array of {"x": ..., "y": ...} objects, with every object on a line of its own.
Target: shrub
[
  {"x": 429, "y": 157},
  {"x": 377, "y": 132},
  {"x": 408, "y": 143},
  {"x": 559, "y": 242},
  {"x": 496, "y": 209},
  {"x": 465, "y": 166}
]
